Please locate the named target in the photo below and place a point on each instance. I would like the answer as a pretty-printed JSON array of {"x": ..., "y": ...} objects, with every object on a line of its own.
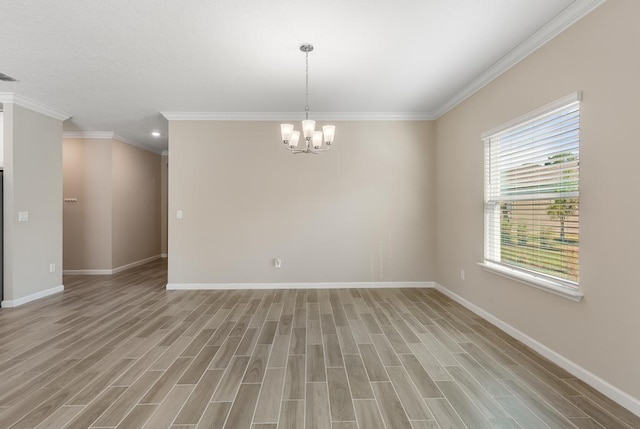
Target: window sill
[{"x": 550, "y": 286}]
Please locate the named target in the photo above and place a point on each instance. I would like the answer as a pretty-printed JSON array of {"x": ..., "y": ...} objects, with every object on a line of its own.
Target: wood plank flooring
[{"x": 122, "y": 352}]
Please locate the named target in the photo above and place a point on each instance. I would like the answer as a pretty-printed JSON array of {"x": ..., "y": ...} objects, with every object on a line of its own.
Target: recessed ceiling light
[{"x": 155, "y": 133}]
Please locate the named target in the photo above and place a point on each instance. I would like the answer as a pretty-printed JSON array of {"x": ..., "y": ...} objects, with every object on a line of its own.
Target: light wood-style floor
[{"x": 120, "y": 351}]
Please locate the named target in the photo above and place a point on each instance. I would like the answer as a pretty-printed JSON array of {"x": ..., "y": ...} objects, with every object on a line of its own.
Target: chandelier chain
[{"x": 306, "y": 107}]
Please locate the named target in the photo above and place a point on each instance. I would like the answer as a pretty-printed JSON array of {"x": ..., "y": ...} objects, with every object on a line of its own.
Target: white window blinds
[{"x": 532, "y": 194}]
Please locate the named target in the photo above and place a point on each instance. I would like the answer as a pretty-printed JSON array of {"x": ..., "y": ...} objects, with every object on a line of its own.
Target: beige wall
[
  {"x": 598, "y": 55},
  {"x": 358, "y": 213},
  {"x": 164, "y": 202},
  {"x": 33, "y": 183},
  {"x": 116, "y": 220},
  {"x": 87, "y": 223},
  {"x": 136, "y": 204}
]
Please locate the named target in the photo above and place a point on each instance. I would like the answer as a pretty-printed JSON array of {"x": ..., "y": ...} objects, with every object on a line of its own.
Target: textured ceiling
[{"x": 114, "y": 65}]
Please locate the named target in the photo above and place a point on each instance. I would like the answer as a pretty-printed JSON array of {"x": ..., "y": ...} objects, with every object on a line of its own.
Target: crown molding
[
  {"x": 107, "y": 135},
  {"x": 573, "y": 13},
  {"x": 569, "y": 16},
  {"x": 136, "y": 144},
  {"x": 560, "y": 103},
  {"x": 295, "y": 116},
  {"x": 88, "y": 135},
  {"x": 27, "y": 103}
]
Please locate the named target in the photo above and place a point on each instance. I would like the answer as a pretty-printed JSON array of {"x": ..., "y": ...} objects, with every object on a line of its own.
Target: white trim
[
  {"x": 135, "y": 264},
  {"x": 136, "y": 144},
  {"x": 87, "y": 272},
  {"x": 27, "y": 103},
  {"x": 626, "y": 400},
  {"x": 577, "y": 10},
  {"x": 165, "y": 153},
  {"x": 555, "y": 287},
  {"x": 164, "y": 255},
  {"x": 301, "y": 285},
  {"x": 34, "y": 296},
  {"x": 560, "y": 103},
  {"x": 108, "y": 135},
  {"x": 295, "y": 116},
  {"x": 110, "y": 272}
]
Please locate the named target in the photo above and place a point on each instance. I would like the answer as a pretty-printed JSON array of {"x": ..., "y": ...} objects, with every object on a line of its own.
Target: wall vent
[{"x": 6, "y": 78}]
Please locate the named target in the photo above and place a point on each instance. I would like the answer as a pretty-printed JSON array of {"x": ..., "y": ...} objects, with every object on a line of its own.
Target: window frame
[{"x": 566, "y": 289}]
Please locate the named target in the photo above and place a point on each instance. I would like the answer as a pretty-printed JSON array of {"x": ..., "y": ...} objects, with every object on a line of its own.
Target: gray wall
[
  {"x": 33, "y": 183},
  {"x": 361, "y": 212},
  {"x": 598, "y": 55}
]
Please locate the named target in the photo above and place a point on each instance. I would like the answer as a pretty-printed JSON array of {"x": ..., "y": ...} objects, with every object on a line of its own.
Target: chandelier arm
[
  {"x": 296, "y": 151},
  {"x": 313, "y": 151}
]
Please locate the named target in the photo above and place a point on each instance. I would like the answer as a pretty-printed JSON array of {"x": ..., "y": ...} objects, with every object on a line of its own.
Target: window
[{"x": 532, "y": 197}]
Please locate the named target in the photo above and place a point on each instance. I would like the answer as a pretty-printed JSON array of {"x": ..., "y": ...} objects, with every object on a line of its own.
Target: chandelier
[{"x": 313, "y": 139}]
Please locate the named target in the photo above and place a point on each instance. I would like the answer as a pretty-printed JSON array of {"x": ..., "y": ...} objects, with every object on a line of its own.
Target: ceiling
[{"x": 115, "y": 65}]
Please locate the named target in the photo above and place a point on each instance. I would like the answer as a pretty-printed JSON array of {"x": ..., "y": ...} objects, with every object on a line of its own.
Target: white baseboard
[
  {"x": 328, "y": 285},
  {"x": 629, "y": 402},
  {"x": 135, "y": 264},
  {"x": 32, "y": 297},
  {"x": 109, "y": 272},
  {"x": 86, "y": 272},
  {"x": 164, "y": 255}
]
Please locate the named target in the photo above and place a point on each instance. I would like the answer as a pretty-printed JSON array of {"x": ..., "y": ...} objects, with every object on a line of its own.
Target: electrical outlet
[
  {"x": 23, "y": 216},
  {"x": 277, "y": 262},
  {"x": 179, "y": 214},
  {"x": 461, "y": 274},
  {"x": 52, "y": 267}
]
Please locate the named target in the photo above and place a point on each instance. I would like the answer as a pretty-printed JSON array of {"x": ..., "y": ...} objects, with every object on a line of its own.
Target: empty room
[{"x": 305, "y": 214}]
